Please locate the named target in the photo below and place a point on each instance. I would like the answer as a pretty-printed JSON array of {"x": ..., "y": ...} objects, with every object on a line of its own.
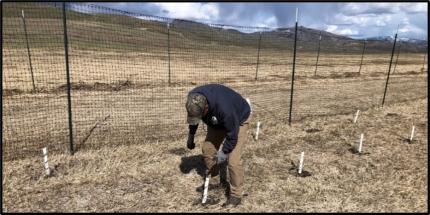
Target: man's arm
[
  {"x": 231, "y": 124},
  {"x": 193, "y": 128},
  {"x": 192, "y": 132}
]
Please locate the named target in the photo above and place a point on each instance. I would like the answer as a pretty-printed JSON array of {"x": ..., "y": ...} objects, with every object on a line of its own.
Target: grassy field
[
  {"x": 213, "y": 64},
  {"x": 129, "y": 125},
  {"x": 162, "y": 176},
  {"x": 135, "y": 113}
]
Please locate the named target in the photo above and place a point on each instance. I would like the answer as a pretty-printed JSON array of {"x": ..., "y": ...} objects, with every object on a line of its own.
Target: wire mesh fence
[
  {"x": 34, "y": 111},
  {"x": 130, "y": 73}
]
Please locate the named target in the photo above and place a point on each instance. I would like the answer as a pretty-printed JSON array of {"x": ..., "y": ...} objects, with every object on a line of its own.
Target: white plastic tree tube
[
  {"x": 258, "y": 131},
  {"x": 302, "y": 157},
  {"x": 205, "y": 192},
  {"x": 361, "y": 143},
  {"x": 412, "y": 133},
  {"x": 356, "y": 116},
  {"x": 45, "y": 161}
]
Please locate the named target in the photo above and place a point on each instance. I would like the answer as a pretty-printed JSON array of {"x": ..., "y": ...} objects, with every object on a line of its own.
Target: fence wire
[{"x": 130, "y": 74}]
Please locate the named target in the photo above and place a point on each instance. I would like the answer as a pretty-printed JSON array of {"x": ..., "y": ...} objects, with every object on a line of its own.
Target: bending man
[{"x": 227, "y": 115}]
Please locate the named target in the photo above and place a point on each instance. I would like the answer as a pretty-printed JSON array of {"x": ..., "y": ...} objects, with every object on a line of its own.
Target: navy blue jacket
[{"x": 227, "y": 110}]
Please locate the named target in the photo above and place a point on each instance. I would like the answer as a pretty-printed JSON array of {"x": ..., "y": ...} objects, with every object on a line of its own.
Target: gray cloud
[
  {"x": 143, "y": 8},
  {"x": 350, "y": 19},
  {"x": 368, "y": 9}
]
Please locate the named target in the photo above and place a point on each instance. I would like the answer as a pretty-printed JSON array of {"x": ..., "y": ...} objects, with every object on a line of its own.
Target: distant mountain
[
  {"x": 406, "y": 44},
  {"x": 410, "y": 40},
  {"x": 140, "y": 31},
  {"x": 381, "y": 38},
  {"x": 277, "y": 38},
  {"x": 403, "y": 39},
  {"x": 307, "y": 34},
  {"x": 345, "y": 44}
]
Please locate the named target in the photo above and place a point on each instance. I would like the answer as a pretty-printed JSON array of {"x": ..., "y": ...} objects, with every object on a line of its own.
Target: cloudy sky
[{"x": 356, "y": 20}]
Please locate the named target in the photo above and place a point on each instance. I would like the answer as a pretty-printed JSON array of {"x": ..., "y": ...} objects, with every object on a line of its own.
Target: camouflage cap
[{"x": 195, "y": 105}]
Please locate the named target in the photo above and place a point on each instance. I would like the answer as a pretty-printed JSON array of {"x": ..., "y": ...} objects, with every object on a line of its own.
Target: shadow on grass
[
  {"x": 197, "y": 162},
  {"x": 353, "y": 150},
  {"x": 193, "y": 162}
]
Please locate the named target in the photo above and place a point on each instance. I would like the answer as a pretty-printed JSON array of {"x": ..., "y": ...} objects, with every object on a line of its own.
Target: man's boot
[{"x": 232, "y": 201}]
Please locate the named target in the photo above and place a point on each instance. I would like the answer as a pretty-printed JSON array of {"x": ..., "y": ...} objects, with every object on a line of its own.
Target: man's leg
[
  {"x": 235, "y": 164},
  {"x": 213, "y": 141}
]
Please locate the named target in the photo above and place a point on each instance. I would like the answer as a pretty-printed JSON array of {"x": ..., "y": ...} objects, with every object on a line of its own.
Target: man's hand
[
  {"x": 190, "y": 142},
  {"x": 221, "y": 157}
]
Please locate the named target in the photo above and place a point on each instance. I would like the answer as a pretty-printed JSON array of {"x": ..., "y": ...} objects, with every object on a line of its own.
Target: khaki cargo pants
[{"x": 213, "y": 141}]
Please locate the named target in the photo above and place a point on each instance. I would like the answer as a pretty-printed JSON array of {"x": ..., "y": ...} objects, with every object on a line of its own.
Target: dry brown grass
[
  {"x": 33, "y": 121},
  {"x": 162, "y": 176},
  {"x": 124, "y": 115},
  {"x": 221, "y": 64}
]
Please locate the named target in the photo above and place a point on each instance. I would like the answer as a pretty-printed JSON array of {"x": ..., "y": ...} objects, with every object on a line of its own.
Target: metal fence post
[
  {"x": 258, "y": 56},
  {"x": 294, "y": 65},
  {"x": 168, "y": 47},
  {"x": 28, "y": 51},
  {"x": 362, "y": 56},
  {"x": 389, "y": 68},
  {"x": 69, "y": 99},
  {"x": 397, "y": 58},
  {"x": 318, "y": 55},
  {"x": 424, "y": 60}
]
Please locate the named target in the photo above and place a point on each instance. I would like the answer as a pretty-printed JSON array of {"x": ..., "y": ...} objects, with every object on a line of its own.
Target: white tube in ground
[
  {"x": 302, "y": 157},
  {"x": 412, "y": 133},
  {"x": 361, "y": 144},
  {"x": 356, "y": 116},
  {"x": 45, "y": 161},
  {"x": 258, "y": 131},
  {"x": 205, "y": 192}
]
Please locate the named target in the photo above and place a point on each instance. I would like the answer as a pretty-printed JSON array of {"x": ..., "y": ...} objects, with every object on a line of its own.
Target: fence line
[
  {"x": 362, "y": 56},
  {"x": 318, "y": 54},
  {"x": 294, "y": 67},
  {"x": 397, "y": 58},
  {"x": 114, "y": 62},
  {"x": 389, "y": 69},
  {"x": 28, "y": 50},
  {"x": 258, "y": 55},
  {"x": 69, "y": 98}
]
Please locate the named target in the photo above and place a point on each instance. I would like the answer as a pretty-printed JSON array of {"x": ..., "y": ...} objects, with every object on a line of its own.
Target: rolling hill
[{"x": 99, "y": 28}]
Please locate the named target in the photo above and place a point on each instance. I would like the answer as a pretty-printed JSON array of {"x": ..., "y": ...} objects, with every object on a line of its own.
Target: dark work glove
[{"x": 190, "y": 142}]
